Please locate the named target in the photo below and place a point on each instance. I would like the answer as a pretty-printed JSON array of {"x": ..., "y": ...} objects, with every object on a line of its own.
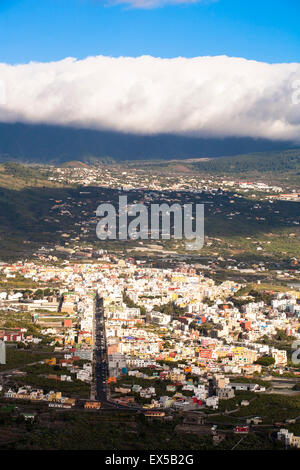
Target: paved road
[
  {"x": 100, "y": 354},
  {"x": 100, "y": 362}
]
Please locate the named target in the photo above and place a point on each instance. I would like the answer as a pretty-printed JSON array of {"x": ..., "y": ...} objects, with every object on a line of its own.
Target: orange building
[
  {"x": 50, "y": 362},
  {"x": 92, "y": 405},
  {"x": 111, "y": 380}
]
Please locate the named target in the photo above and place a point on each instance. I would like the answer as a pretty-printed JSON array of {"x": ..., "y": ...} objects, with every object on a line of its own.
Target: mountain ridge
[{"x": 37, "y": 143}]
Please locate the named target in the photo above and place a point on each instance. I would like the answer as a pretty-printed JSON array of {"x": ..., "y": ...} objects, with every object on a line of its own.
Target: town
[{"x": 168, "y": 340}]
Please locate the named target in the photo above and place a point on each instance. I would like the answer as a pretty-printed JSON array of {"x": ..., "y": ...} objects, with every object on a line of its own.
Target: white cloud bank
[{"x": 208, "y": 96}]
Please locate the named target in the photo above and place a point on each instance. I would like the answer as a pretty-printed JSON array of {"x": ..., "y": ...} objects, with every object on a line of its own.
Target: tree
[{"x": 265, "y": 361}]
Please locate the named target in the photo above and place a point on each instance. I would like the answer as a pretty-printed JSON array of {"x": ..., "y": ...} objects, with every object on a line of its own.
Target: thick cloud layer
[{"x": 207, "y": 96}]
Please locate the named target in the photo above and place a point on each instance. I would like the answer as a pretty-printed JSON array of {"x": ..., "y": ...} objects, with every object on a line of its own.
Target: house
[
  {"x": 225, "y": 393},
  {"x": 256, "y": 420},
  {"x": 241, "y": 430},
  {"x": 244, "y": 403},
  {"x": 243, "y": 386},
  {"x": 212, "y": 401},
  {"x": 92, "y": 405},
  {"x": 288, "y": 438},
  {"x": 28, "y": 416},
  {"x": 154, "y": 414},
  {"x": 12, "y": 336}
]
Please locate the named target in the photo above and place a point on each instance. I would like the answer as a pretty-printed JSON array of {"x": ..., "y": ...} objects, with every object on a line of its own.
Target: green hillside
[{"x": 283, "y": 161}]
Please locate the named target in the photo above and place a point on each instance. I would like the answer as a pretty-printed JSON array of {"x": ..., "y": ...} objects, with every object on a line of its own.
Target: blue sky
[{"x": 46, "y": 30}]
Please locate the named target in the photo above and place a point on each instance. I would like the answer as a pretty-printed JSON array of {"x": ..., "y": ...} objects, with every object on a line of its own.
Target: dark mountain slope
[{"x": 42, "y": 143}]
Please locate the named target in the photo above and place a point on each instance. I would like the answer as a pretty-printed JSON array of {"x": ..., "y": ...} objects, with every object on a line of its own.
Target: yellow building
[{"x": 51, "y": 362}]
